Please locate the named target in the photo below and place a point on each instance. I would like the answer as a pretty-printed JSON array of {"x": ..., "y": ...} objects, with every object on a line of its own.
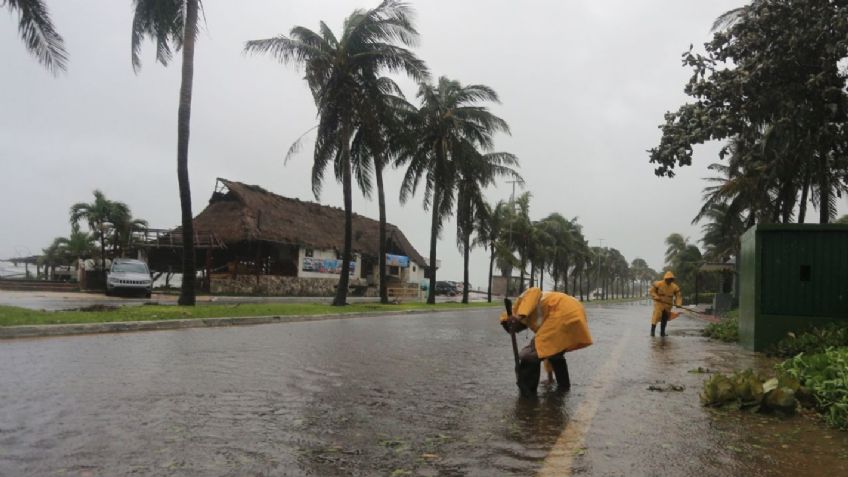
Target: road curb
[{"x": 38, "y": 331}]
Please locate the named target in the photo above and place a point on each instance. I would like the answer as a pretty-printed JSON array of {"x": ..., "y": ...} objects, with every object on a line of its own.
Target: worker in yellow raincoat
[
  {"x": 559, "y": 323},
  {"x": 666, "y": 294}
]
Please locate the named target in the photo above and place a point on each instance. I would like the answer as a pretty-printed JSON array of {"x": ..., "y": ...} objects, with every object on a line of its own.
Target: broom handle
[{"x": 508, "y": 306}]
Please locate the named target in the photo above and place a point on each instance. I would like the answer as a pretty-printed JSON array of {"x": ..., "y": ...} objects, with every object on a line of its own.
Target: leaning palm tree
[
  {"x": 173, "y": 25},
  {"x": 675, "y": 245},
  {"x": 340, "y": 72},
  {"x": 39, "y": 35},
  {"x": 476, "y": 172},
  {"x": 101, "y": 215},
  {"x": 449, "y": 119}
]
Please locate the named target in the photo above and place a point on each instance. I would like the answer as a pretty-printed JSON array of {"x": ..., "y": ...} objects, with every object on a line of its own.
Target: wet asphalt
[{"x": 430, "y": 394}]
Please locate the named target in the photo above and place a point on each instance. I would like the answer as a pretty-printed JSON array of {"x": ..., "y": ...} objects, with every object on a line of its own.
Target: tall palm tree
[
  {"x": 39, "y": 35},
  {"x": 449, "y": 121},
  {"x": 476, "y": 172},
  {"x": 101, "y": 215},
  {"x": 489, "y": 228},
  {"x": 340, "y": 72},
  {"x": 173, "y": 25},
  {"x": 521, "y": 228},
  {"x": 380, "y": 137}
]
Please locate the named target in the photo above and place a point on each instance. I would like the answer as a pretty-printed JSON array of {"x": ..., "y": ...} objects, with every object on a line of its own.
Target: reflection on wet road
[{"x": 412, "y": 395}]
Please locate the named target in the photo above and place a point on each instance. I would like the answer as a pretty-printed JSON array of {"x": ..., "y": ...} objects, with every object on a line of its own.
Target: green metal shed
[{"x": 792, "y": 276}]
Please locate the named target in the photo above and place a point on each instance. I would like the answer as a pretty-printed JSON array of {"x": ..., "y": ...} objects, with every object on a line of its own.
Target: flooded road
[{"x": 391, "y": 395}]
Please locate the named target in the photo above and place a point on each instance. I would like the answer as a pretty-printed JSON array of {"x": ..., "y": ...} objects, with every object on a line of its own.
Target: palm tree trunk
[
  {"x": 466, "y": 252},
  {"x": 805, "y": 194},
  {"x": 434, "y": 235},
  {"x": 183, "y": 129},
  {"x": 381, "y": 201},
  {"x": 575, "y": 284},
  {"x": 347, "y": 189},
  {"x": 103, "y": 257},
  {"x": 542, "y": 276},
  {"x": 824, "y": 191},
  {"x": 532, "y": 273},
  {"x": 491, "y": 269},
  {"x": 521, "y": 277},
  {"x": 555, "y": 274}
]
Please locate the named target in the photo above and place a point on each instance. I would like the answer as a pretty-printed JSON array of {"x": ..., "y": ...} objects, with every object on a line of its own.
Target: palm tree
[
  {"x": 341, "y": 72},
  {"x": 77, "y": 245},
  {"x": 448, "y": 123},
  {"x": 380, "y": 136},
  {"x": 100, "y": 215},
  {"x": 173, "y": 24},
  {"x": 521, "y": 229},
  {"x": 487, "y": 230},
  {"x": 675, "y": 245},
  {"x": 476, "y": 172},
  {"x": 39, "y": 35},
  {"x": 124, "y": 227},
  {"x": 563, "y": 238},
  {"x": 50, "y": 257}
]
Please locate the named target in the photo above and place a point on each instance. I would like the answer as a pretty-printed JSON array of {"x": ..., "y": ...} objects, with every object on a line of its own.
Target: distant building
[{"x": 274, "y": 245}]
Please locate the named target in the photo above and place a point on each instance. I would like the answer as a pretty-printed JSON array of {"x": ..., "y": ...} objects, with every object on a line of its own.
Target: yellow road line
[{"x": 560, "y": 458}]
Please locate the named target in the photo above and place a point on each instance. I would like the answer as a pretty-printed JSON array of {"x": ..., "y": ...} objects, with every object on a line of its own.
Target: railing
[{"x": 164, "y": 238}]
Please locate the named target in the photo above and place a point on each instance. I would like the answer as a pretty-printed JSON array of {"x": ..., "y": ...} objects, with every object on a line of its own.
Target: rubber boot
[
  {"x": 561, "y": 372},
  {"x": 528, "y": 377},
  {"x": 663, "y": 323},
  {"x": 653, "y": 330}
]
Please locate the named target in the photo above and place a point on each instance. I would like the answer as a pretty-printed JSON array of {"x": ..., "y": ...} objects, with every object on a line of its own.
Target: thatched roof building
[{"x": 240, "y": 213}]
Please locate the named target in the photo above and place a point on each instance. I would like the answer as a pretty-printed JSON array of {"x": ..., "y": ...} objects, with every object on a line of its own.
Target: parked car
[
  {"x": 128, "y": 275},
  {"x": 445, "y": 288}
]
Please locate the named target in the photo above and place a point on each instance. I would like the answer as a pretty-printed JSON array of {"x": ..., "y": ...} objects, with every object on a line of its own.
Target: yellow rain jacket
[
  {"x": 558, "y": 320},
  {"x": 665, "y": 295}
]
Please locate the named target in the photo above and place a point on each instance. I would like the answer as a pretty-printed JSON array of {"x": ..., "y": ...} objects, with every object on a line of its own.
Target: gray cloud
[{"x": 584, "y": 86}]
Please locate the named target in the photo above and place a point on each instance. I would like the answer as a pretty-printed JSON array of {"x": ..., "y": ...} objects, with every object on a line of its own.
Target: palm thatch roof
[{"x": 240, "y": 212}]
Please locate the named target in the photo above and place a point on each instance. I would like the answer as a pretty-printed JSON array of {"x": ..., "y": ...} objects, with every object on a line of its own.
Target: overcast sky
[{"x": 584, "y": 85}]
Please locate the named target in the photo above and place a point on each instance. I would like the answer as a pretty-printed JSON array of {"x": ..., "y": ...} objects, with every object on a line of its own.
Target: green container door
[{"x": 792, "y": 277}]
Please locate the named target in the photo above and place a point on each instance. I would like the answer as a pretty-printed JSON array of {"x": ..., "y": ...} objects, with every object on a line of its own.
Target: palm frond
[{"x": 39, "y": 35}]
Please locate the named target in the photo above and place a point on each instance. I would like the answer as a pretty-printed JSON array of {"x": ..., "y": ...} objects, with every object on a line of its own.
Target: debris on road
[{"x": 662, "y": 387}]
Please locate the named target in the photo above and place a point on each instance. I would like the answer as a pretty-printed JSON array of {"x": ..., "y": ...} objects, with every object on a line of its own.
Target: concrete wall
[
  {"x": 272, "y": 285},
  {"x": 412, "y": 274}
]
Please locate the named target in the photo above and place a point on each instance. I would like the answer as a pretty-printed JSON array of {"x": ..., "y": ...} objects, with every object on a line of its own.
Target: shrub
[
  {"x": 814, "y": 340},
  {"x": 825, "y": 376},
  {"x": 726, "y": 330}
]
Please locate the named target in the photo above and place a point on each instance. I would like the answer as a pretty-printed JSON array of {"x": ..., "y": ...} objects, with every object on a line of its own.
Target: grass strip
[{"x": 12, "y": 316}]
